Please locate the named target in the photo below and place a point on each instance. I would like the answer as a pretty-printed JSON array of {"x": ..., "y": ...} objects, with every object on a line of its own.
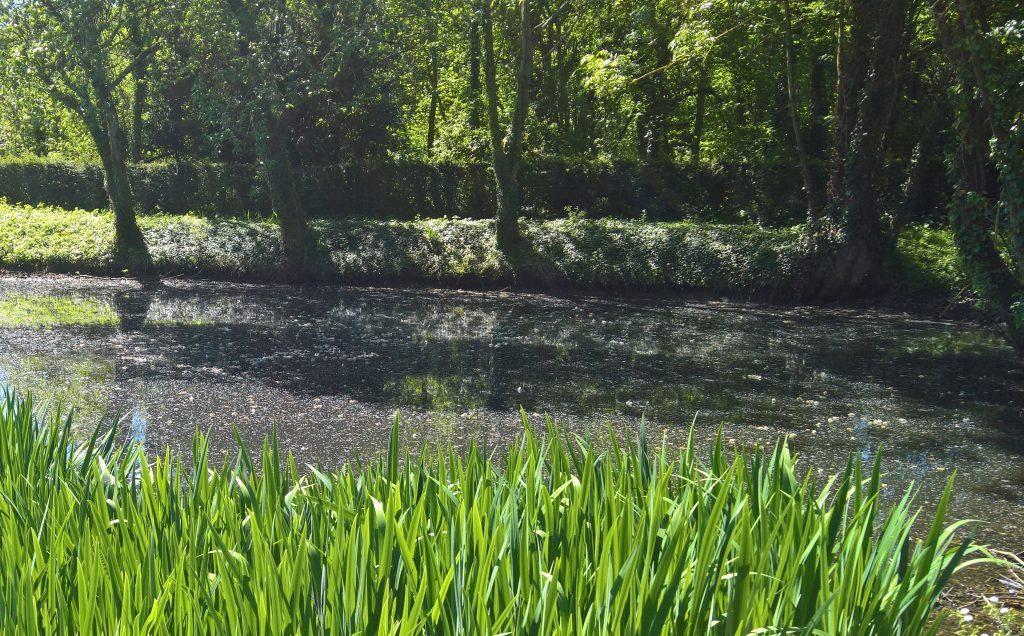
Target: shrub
[
  {"x": 929, "y": 257},
  {"x": 63, "y": 184},
  {"x": 549, "y": 537}
]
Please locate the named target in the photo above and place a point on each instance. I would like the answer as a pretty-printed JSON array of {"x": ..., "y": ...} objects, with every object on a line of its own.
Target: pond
[{"x": 329, "y": 367}]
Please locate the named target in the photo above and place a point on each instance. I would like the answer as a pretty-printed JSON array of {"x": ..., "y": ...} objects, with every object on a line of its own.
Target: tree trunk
[
  {"x": 865, "y": 160},
  {"x": 816, "y": 137},
  {"x": 855, "y": 245},
  {"x": 507, "y": 154},
  {"x": 130, "y": 249},
  {"x": 138, "y": 107},
  {"x": 434, "y": 98},
  {"x": 284, "y": 198},
  {"x": 653, "y": 125},
  {"x": 1003, "y": 121},
  {"x": 972, "y": 214},
  {"x": 698, "y": 117},
  {"x": 474, "y": 71},
  {"x": 812, "y": 189},
  {"x": 509, "y": 195},
  {"x": 816, "y": 140},
  {"x": 433, "y": 72},
  {"x": 851, "y": 63},
  {"x": 973, "y": 210}
]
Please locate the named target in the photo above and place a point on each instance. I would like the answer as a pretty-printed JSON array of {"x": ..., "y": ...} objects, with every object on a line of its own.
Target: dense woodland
[{"x": 880, "y": 113}]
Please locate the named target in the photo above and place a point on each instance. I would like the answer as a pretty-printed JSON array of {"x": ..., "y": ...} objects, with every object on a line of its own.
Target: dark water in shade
[{"x": 330, "y": 366}]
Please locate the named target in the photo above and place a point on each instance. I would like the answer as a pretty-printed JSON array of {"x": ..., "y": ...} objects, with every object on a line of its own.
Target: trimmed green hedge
[
  {"x": 575, "y": 253},
  {"x": 404, "y": 190}
]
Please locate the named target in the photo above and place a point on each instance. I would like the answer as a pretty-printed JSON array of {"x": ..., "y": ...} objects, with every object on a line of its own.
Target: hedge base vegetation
[
  {"x": 549, "y": 537},
  {"x": 573, "y": 253}
]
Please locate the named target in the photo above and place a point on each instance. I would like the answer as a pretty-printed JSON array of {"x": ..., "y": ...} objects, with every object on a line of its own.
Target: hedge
[{"x": 407, "y": 189}]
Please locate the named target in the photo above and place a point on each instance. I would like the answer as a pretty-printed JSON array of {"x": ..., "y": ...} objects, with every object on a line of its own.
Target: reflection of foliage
[
  {"x": 438, "y": 392},
  {"x": 82, "y": 383},
  {"x": 48, "y": 311},
  {"x": 938, "y": 344}
]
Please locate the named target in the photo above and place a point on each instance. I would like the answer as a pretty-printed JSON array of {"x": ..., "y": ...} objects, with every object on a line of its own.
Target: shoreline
[{"x": 926, "y": 308}]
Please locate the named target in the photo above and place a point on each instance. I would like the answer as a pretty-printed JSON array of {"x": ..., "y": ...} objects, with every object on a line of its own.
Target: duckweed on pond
[{"x": 329, "y": 366}]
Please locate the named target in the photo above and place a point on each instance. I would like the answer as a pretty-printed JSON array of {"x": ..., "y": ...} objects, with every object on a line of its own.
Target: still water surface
[{"x": 330, "y": 366}]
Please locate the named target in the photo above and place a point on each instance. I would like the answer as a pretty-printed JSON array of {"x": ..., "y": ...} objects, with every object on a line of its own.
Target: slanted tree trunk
[
  {"x": 507, "y": 151},
  {"x": 92, "y": 96},
  {"x": 104, "y": 126}
]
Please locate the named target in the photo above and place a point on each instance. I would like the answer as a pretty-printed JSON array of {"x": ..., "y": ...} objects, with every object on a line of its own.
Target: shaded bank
[{"x": 741, "y": 260}]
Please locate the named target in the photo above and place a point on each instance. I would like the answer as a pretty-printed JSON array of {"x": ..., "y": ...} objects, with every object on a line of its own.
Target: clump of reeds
[{"x": 554, "y": 536}]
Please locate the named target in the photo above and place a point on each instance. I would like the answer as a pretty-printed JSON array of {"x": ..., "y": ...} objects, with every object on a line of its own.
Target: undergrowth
[{"x": 575, "y": 253}]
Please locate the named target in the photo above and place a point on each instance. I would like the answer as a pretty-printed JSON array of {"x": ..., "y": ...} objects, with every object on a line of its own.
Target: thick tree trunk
[
  {"x": 853, "y": 245},
  {"x": 973, "y": 208},
  {"x": 284, "y": 198},
  {"x": 130, "y": 249},
  {"x": 509, "y": 200},
  {"x": 507, "y": 154},
  {"x": 1003, "y": 121},
  {"x": 852, "y": 60},
  {"x": 972, "y": 216}
]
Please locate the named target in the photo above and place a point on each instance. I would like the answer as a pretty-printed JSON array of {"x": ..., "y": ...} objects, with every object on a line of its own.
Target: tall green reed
[{"x": 553, "y": 537}]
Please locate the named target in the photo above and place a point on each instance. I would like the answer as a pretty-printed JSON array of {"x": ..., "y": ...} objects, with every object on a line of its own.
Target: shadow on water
[
  {"x": 330, "y": 365},
  {"x": 132, "y": 306}
]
